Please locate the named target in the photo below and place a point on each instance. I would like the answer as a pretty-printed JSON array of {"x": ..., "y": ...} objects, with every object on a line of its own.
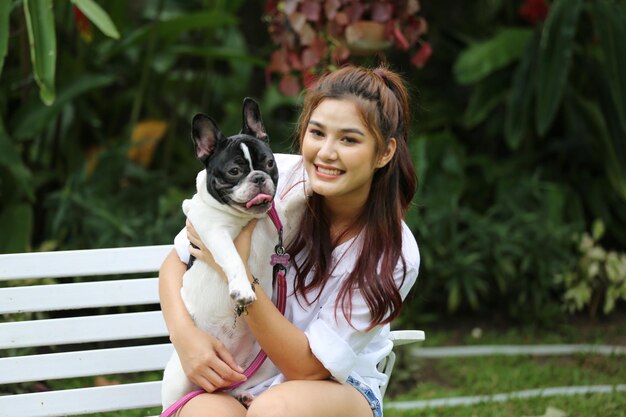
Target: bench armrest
[{"x": 404, "y": 337}]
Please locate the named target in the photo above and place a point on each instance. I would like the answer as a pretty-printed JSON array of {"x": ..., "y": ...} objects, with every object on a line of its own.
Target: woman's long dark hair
[{"x": 382, "y": 99}]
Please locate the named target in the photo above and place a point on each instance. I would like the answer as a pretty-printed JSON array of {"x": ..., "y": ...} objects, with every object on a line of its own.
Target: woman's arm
[
  {"x": 204, "y": 358},
  {"x": 285, "y": 344}
]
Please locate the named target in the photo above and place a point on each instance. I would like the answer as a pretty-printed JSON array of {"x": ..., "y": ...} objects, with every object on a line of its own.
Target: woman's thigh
[
  {"x": 212, "y": 405},
  {"x": 311, "y": 399}
]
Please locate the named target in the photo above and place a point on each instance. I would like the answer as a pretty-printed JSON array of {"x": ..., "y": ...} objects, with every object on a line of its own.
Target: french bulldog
[{"x": 237, "y": 184}]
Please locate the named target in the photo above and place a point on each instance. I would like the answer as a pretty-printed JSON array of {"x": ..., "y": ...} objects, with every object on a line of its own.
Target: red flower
[
  {"x": 422, "y": 55},
  {"x": 83, "y": 24},
  {"x": 534, "y": 10}
]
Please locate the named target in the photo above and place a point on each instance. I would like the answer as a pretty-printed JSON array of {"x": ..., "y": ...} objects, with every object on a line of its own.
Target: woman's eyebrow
[{"x": 345, "y": 130}]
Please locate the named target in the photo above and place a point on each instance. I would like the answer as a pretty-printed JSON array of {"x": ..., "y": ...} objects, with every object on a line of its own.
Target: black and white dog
[{"x": 238, "y": 184}]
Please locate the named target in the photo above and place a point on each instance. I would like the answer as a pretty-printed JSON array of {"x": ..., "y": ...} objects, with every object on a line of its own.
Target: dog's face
[{"x": 241, "y": 171}]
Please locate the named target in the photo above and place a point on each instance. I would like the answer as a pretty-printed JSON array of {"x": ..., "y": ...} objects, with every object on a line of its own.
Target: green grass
[
  {"x": 428, "y": 378},
  {"x": 597, "y": 405}
]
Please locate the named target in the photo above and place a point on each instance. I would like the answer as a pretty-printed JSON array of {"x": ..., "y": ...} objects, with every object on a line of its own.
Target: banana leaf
[
  {"x": 43, "y": 47},
  {"x": 519, "y": 101},
  {"x": 169, "y": 30},
  {"x": 32, "y": 118},
  {"x": 482, "y": 59},
  {"x": 19, "y": 173},
  {"x": 5, "y": 10},
  {"x": 16, "y": 221},
  {"x": 556, "y": 49},
  {"x": 611, "y": 27},
  {"x": 487, "y": 95},
  {"x": 98, "y": 17},
  {"x": 603, "y": 130}
]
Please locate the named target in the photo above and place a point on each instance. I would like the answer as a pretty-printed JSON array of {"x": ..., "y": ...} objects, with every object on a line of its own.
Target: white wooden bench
[{"x": 79, "y": 315}]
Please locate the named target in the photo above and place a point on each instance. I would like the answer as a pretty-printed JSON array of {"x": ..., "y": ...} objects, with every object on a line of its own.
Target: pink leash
[{"x": 280, "y": 260}]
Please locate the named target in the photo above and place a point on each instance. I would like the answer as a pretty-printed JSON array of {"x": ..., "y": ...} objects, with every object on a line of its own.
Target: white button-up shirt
[{"x": 345, "y": 348}]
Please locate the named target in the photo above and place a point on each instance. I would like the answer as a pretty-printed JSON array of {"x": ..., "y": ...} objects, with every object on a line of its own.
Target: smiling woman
[
  {"x": 353, "y": 260},
  {"x": 340, "y": 154}
]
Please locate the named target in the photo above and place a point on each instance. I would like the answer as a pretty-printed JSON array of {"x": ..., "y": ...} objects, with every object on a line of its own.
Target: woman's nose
[{"x": 327, "y": 149}]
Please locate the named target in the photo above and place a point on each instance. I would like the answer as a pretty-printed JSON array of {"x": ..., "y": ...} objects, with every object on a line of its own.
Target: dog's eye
[
  {"x": 234, "y": 171},
  {"x": 270, "y": 163}
]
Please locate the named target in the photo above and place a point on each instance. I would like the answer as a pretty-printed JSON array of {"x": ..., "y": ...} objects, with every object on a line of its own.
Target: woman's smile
[
  {"x": 328, "y": 172},
  {"x": 339, "y": 152}
]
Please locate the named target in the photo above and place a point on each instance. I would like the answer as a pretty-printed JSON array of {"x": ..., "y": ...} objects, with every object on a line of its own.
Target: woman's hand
[
  {"x": 206, "y": 362},
  {"x": 198, "y": 248}
]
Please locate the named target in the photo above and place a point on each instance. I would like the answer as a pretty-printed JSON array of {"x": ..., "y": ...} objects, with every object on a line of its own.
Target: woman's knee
[{"x": 270, "y": 404}]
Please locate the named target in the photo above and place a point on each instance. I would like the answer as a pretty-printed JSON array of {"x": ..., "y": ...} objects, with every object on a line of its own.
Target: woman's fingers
[{"x": 192, "y": 235}]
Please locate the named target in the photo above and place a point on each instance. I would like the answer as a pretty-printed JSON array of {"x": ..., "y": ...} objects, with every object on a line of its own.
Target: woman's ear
[{"x": 387, "y": 154}]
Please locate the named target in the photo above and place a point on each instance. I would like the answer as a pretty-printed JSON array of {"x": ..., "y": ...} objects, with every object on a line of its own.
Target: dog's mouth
[{"x": 259, "y": 200}]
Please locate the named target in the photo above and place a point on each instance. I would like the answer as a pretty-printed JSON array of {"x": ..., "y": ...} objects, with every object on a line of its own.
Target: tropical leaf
[
  {"x": 5, "y": 10},
  {"x": 43, "y": 47},
  {"x": 11, "y": 159},
  {"x": 556, "y": 48},
  {"x": 226, "y": 53},
  {"x": 33, "y": 118},
  {"x": 487, "y": 95},
  {"x": 98, "y": 17},
  {"x": 170, "y": 29},
  {"x": 482, "y": 59},
  {"x": 594, "y": 117},
  {"x": 518, "y": 108},
  {"x": 16, "y": 221},
  {"x": 611, "y": 27}
]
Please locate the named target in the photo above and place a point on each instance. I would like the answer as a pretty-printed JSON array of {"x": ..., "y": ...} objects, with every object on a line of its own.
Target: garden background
[{"x": 518, "y": 135}]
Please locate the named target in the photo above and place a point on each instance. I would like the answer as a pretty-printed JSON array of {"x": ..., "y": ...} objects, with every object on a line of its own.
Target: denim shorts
[{"x": 369, "y": 395}]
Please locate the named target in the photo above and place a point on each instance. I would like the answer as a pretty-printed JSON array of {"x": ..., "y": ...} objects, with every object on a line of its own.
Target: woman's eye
[
  {"x": 316, "y": 132},
  {"x": 234, "y": 171},
  {"x": 348, "y": 139}
]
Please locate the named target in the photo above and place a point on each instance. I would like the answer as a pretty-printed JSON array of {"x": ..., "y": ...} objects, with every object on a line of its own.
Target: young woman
[{"x": 353, "y": 262}]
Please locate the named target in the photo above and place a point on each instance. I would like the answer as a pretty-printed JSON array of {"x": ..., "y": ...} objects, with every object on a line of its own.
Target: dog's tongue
[{"x": 259, "y": 199}]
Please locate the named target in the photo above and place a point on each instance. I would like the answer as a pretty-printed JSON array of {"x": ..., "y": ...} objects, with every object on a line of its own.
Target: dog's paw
[
  {"x": 244, "y": 397},
  {"x": 242, "y": 296},
  {"x": 241, "y": 291}
]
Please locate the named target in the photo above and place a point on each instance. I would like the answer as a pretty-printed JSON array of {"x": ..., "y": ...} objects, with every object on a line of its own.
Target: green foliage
[
  {"x": 491, "y": 241},
  {"x": 98, "y": 16},
  {"x": 43, "y": 47},
  {"x": 75, "y": 172},
  {"x": 484, "y": 58},
  {"x": 525, "y": 148},
  {"x": 5, "y": 9},
  {"x": 556, "y": 49},
  {"x": 599, "y": 277}
]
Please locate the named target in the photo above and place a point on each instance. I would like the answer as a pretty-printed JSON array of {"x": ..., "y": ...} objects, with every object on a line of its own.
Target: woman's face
[{"x": 339, "y": 153}]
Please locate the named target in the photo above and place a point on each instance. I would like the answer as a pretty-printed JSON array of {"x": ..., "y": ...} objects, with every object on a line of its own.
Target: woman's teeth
[{"x": 329, "y": 171}]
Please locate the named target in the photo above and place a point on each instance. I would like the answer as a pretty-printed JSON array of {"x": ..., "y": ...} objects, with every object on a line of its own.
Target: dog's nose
[{"x": 258, "y": 179}]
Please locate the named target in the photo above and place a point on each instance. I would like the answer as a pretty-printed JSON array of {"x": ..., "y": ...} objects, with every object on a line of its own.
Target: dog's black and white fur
[{"x": 238, "y": 184}]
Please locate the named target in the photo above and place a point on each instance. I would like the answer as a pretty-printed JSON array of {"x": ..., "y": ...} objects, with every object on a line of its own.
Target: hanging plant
[{"x": 314, "y": 35}]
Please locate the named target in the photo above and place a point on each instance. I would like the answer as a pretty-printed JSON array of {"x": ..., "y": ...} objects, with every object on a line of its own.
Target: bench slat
[
  {"x": 82, "y": 401},
  {"x": 82, "y": 262},
  {"x": 79, "y": 295},
  {"x": 82, "y": 329},
  {"x": 84, "y": 363}
]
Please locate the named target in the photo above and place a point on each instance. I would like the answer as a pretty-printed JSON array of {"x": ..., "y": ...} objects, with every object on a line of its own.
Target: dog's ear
[
  {"x": 205, "y": 135},
  {"x": 252, "y": 123}
]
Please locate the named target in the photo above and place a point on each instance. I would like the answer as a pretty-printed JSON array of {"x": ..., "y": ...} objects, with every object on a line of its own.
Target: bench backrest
[
  {"x": 76, "y": 316},
  {"x": 51, "y": 331}
]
